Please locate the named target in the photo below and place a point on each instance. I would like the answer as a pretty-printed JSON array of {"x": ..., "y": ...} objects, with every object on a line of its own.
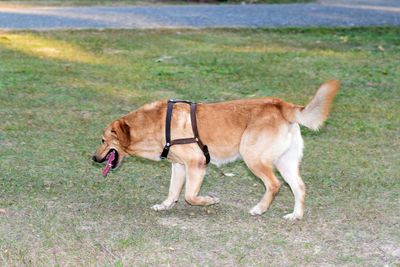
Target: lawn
[{"x": 59, "y": 89}]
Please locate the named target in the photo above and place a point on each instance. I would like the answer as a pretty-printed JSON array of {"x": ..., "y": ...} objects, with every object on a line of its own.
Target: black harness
[{"x": 195, "y": 139}]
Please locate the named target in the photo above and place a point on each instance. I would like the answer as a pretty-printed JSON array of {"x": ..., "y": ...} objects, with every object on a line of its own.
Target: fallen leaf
[
  {"x": 163, "y": 58},
  {"x": 344, "y": 39}
]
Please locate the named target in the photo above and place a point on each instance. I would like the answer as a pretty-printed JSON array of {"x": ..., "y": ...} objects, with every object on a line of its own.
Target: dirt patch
[
  {"x": 391, "y": 250},
  {"x": 196, "y": 224}
]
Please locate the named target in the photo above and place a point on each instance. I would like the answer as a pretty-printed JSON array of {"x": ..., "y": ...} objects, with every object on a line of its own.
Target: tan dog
[{"x": 263, "y": 132}]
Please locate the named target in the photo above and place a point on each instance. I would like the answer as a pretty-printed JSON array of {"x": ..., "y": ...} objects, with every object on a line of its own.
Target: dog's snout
[{"x": 94, "y": 158}]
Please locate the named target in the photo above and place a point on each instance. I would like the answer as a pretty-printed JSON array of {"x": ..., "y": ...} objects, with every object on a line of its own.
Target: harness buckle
[
  {"x": 165, "y": 151},
  {"x": 206, "y": 154}
]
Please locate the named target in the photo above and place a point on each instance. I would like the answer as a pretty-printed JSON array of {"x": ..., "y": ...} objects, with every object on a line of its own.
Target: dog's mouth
[{"x": 114, "y": 163}]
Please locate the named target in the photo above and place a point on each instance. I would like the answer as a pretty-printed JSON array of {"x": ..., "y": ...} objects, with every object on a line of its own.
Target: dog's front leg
[
  {"x": 177, "y": 180},
  {"x": 195, "y": 172}
]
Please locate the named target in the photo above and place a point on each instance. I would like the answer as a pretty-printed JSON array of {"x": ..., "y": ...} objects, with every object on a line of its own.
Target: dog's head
[{"x": 115, "y": 137}]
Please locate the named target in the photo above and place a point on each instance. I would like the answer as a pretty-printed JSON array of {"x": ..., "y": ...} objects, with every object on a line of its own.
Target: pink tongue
[{"x": 110, "y": 159}]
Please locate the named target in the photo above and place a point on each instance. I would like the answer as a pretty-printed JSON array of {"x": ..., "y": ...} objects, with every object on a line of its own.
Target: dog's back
[{"x": 223, "y": 124}]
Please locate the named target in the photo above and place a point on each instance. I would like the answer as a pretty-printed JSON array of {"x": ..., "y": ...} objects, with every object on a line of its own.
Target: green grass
[
  {"x": 29, "y": 3},
  {"x": 59, "y": 89}
]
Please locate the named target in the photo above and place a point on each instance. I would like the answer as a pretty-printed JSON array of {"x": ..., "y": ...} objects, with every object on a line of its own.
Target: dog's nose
[{"x": 94, "y": 158}]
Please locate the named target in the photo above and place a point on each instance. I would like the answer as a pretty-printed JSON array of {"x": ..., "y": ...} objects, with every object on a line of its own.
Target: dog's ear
[{"x": 122, "y": 131}]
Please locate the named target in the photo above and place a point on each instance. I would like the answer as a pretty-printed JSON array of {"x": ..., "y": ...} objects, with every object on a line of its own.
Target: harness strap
[{"x": 182, "y": 141}]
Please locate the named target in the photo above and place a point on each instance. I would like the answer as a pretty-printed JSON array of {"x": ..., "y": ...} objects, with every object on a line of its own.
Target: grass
[
  {"x": 30, "y": 3},
  {"x": 59, "y": 89}
]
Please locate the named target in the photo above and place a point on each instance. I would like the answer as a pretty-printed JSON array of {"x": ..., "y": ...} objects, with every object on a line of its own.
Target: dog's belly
[{"x": 221, "y": 161}]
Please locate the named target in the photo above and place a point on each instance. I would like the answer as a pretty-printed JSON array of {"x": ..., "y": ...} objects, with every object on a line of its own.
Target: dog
[{"x": 264, "y": 132}]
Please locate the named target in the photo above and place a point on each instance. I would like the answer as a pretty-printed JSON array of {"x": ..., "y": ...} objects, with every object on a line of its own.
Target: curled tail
[{"x": 315, "y": 113}]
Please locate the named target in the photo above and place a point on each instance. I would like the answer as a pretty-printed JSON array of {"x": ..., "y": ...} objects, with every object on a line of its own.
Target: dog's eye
[{"x": 102, "y": 141}]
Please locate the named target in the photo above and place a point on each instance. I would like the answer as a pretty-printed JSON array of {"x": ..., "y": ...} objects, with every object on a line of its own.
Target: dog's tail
[{"x": 315, "y": 113}]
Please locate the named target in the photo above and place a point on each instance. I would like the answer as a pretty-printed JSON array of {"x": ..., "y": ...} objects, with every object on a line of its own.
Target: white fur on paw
[
  {"x": 163, "y": 206},
  {"x": 159, "y": 207},
  {"x": 292, "y": 216},
  {"x": 256, "y": 210}
]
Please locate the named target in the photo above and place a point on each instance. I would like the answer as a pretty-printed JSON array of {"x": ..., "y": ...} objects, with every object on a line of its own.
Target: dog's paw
[
  {"x": 162, "y": 206},
  {"x": 159, "y": 207},
  {"x": 256, "y": 210},
  {"x": 292, "y": 216},
  {"x": 214, "y": 198}
]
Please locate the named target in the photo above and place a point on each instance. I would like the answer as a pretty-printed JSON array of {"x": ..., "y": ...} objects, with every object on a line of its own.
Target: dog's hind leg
[
  {"x": 288, "y": 166},
  {"x": 195, "y": 171},
  {"x": 175, "y": 187},
  {"x": 257, "y": 149},
  {"x": 272, "y": 184}
]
